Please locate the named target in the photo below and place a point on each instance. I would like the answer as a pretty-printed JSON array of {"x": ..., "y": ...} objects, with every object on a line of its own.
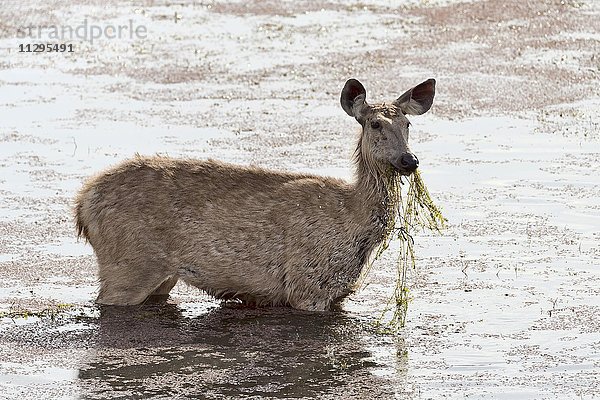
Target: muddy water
[
  {"x": 223, "y": 353},
  {"x": 505, "y": 302}
]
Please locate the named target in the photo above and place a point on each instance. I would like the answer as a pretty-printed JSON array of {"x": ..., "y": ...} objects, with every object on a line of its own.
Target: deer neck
[{"x": 371, "y": 191}]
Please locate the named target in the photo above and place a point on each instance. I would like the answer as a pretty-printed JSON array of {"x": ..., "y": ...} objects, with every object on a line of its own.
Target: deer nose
[{"x": 409, "y": 162}]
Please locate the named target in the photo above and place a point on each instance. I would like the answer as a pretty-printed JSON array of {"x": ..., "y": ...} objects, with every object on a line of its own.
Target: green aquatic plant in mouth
[{"x": 408, "y": 215}]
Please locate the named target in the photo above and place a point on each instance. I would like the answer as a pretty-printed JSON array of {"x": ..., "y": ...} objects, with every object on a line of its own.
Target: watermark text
[{"x": 84, "y": 31}]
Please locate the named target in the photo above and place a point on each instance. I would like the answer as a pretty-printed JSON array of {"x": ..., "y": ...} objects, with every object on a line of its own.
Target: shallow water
[{"x": 505, "y": 302}]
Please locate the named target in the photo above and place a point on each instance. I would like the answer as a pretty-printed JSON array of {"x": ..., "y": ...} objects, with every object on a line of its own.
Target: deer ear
[
  {"x": 353, "y": 98},
  {"x": 418, "y": 100}
]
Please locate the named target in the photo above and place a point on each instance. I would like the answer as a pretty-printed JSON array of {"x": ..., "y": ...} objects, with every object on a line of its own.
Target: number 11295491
[{"x": 46, "y": 48}]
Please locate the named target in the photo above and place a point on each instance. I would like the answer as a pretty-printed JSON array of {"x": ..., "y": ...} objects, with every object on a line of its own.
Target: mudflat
[{"x": 505, "y": 303}]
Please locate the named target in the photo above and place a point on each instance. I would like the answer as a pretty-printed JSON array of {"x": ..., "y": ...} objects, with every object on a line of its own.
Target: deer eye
[
  {"x": 375, "y": 124},
  {"x": 407, "y": 125}
]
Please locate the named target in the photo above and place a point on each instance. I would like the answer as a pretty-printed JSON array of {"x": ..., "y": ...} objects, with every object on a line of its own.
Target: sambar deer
[{"x": 246, "y": 233}]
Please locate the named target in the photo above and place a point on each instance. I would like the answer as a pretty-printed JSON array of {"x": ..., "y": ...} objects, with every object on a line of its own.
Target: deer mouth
[{"x": 404, "y": 172}]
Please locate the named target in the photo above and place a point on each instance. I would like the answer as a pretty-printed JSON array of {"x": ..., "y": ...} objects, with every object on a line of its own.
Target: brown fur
[{"x": 263, "y": 237}]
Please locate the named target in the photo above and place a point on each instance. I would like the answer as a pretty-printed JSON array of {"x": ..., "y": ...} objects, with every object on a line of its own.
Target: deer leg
[
  {"x": 311, "y": 304},
  {"x": 125, "y": 284},
  {"x": 165, "y": 287},
  {"x": 161, "y": 293}
]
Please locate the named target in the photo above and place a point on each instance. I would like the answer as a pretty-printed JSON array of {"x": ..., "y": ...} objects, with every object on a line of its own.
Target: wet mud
[{"x": 505, "y": 303}]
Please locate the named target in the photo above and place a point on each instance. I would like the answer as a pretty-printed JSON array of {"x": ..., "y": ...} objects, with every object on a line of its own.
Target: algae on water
[
  {"x": 51, "y": 312},
  {"x": 409, "y": 214}
]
